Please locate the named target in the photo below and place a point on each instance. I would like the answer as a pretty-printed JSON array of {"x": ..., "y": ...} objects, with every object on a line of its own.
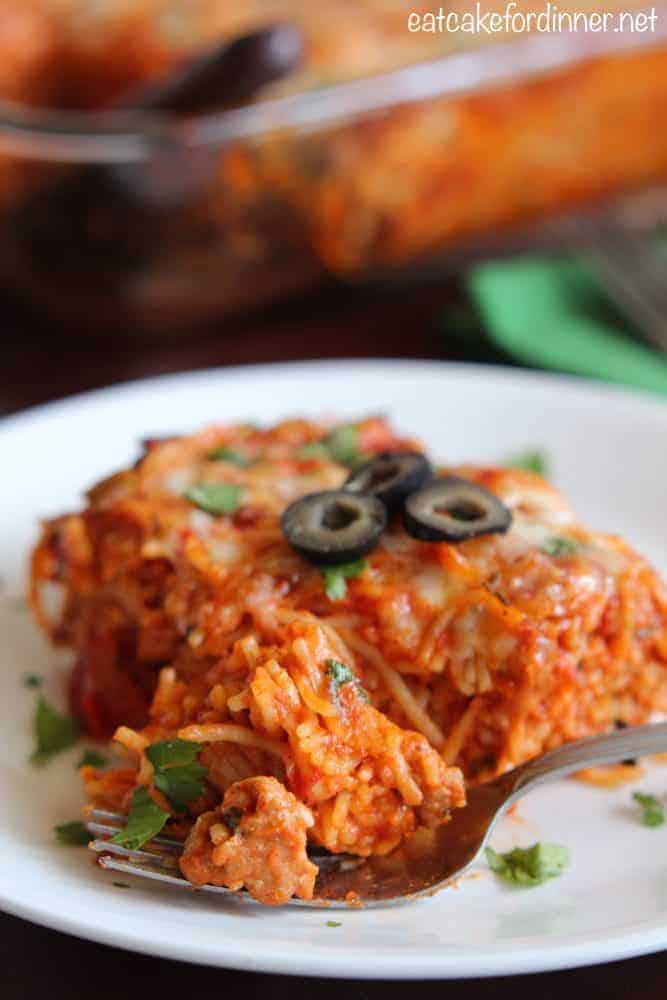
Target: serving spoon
[
  {"x": 429, "y": 860},
  {"x": 104, "y": 216}
]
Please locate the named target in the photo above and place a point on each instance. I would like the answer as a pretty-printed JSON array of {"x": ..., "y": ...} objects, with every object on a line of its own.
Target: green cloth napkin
[{"x": 550, "y": 313}]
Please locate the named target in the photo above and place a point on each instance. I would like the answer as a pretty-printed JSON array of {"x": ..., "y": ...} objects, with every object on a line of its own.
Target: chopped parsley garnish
[
  {"x": 340, "y": 674},
  {"x": 178, "y": 775},
  {"x": 215, "y": 498},
  {"x": 74, "y": 834},
  {"x": 334, "y": 923},
  {"x": 559, "y": 546},
  {"x": 168, "y": 753},
  {"x": 145, "y": 820},
  {"x": 529, "y": 866},
  {"x": 225, "y": 454},
  {"x": 340, "y": 445},
  {"x": 121, "y": 885},
  {"x": 32, "y": 681},
  {"x": 530, "y": 461},
  {"x": 181, "y": 785},
  {"x": 53, "y": 732},
  {"x": 653, "y": 811},
  {"x": 91, "y": 758},
  {"x": 177, "y": 772},
  {"x": 335, "y": 577}
]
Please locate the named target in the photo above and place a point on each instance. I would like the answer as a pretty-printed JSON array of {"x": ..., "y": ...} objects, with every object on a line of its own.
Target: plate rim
[
  {"x": 632, "y": 395},
  {"x": 593, "y": 949},
  {"x": 644, "y": 937}
]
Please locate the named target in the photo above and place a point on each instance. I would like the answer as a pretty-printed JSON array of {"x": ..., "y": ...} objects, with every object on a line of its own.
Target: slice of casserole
[{"x": 332, "y": 707}]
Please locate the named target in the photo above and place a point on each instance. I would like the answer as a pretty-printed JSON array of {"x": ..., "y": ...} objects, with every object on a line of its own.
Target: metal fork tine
[
  {"x": 149, "y": 871},
  {"x": 166, "y": 846},
  {"x": 101, "y": 821},
  {"x": 142, "y": 869},
  {"x": 160, "y": 859},
  {"x": 103, "y": 815},
  {"x": 111, "y": 823}
]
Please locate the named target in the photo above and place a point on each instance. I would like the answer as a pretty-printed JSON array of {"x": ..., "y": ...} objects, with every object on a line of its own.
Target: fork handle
[{"x": 606, "y": 749}]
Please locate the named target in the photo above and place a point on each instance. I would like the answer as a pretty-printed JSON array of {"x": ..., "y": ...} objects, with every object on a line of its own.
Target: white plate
[{"x": 607, "y": 451}]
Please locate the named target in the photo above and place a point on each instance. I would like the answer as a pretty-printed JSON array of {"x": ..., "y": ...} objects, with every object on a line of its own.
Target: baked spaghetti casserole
[
  {"x": 267, "y": 694},
  {"x": 503, "y": 135}
]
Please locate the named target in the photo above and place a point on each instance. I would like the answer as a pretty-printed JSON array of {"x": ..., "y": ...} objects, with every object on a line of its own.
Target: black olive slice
[
  {"x": 391, "y": 476},
  {"x": 334, "y": 526},
  {"x": 453, "y": 509}
]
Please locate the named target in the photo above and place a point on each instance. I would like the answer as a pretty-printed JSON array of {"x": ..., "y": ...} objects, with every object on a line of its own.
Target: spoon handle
[
  {"x": 605, "y": 749},
  {"x": 225, "y": 75}
]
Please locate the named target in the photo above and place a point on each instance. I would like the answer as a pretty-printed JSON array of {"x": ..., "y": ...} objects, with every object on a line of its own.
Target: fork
[
  {"x": 428, "y": 861},
  {"x": 629, "y": 267}
]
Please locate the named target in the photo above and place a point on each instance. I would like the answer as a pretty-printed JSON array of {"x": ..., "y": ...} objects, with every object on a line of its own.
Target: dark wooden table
[{"x": 39, "y": 364}]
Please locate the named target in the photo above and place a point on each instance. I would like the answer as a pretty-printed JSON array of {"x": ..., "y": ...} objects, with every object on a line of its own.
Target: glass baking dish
[{"x": 128, "y": 222}]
